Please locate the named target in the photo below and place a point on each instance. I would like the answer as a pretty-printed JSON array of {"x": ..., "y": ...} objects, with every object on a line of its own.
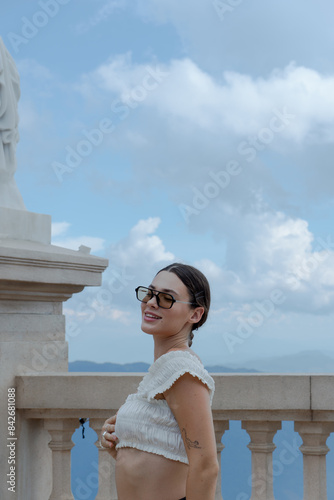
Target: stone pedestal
[
  {"x": 24, "y": 225},
  {"x": 35, "y": 279}
]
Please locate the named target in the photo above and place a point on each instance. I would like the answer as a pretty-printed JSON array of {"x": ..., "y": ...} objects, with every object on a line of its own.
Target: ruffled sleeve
[{"x": 170, "y": 367}]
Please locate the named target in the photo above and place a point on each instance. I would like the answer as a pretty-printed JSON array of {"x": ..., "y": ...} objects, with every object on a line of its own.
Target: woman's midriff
[{"x": 146, "y": 476}]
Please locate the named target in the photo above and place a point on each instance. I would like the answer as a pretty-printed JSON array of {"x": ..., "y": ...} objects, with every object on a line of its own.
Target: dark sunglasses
[{"x": 164, "y": 300}]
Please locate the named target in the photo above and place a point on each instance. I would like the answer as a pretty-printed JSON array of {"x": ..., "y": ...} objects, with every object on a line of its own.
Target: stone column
[
  {"x": 35, "y": 279},
  {"x": 61, "y": 431},
  {"x": 220, "y": 427},
  {"x": 107, "y": 482},
  {"x": 314, "y": 449},
  {"x": 262, "y": 447}
]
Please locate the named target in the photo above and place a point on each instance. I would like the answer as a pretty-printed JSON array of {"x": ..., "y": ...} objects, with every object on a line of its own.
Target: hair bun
[{"x": 190, "y": 338}]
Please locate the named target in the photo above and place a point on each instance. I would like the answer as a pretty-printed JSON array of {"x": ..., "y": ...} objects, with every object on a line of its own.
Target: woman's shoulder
[{"x": 172, "y": 365}]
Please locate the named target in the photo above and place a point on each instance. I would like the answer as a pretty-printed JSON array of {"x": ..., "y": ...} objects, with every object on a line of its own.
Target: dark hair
[{"x": 197, "y": 286}]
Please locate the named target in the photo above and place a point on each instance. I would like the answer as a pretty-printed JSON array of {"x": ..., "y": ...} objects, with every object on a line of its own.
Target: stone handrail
[{"x": 54, "y": 402}]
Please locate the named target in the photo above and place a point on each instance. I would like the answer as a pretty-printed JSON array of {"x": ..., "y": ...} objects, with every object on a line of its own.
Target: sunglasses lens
[
  {"x": 166, "y": 300},
  {"x": 144, "y": 294}
]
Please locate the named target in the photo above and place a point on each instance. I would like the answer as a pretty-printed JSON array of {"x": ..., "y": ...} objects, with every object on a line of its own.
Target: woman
[{"x": 163, "y": 437}]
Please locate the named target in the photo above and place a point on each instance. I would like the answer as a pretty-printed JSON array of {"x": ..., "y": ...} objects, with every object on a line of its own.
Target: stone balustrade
[{"x": 54, "y": 402}]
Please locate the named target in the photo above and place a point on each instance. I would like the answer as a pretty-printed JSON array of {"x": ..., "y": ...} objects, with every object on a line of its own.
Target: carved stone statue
[{"x": 10, "y": 196}]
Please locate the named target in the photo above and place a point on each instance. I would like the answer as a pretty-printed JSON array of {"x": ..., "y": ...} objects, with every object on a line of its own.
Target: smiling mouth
[{"x": 151, "y": 316}]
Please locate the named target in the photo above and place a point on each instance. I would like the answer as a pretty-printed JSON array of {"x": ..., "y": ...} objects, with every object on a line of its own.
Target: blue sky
[{"x": 157, "y": 130}]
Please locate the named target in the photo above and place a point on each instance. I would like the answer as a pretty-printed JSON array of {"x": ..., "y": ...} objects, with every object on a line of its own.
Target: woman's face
[{"x": 169, "y": 322}]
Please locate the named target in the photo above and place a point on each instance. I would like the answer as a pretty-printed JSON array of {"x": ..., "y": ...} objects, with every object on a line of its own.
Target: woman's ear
[{"x": 196, "y": 315}]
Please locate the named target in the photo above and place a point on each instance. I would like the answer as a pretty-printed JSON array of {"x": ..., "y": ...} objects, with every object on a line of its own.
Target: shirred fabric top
[{"x": 148, "y": 424}]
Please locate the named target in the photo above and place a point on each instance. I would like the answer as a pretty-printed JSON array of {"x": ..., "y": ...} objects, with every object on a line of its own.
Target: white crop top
[{"x": 148, "y": 424}]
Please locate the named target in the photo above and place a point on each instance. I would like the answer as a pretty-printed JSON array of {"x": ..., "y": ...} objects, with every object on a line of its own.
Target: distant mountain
[
  {"x": 303, "y": 362},
  {"x": 90, "y": 366},
  {"x": 227, "y": 369}
]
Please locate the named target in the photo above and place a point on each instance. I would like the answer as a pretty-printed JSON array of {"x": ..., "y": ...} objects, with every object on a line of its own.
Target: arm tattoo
[{"x": 189, "y": 443}]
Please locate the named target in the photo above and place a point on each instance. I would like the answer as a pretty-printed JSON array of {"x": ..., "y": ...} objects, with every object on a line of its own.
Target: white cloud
[
  {"x": 59, "y": 228},
  {"x": 275, "y": 253},
  {"x": 117, "y": 315},
  {"x": 133, "y": 261},
  {"x": 193, "y": 123},
  {"x": 292, "y": 103},
  {"x": 95, "y": 244},
  {"x": 59, "y": 238},
  {"x": 102, "y": 14},
  {"x": 29, "y": 118},
  {"x": 120, "y": 76},
  {"x": 35, "y": 70},
  {"x": 278, "y": 255},
  {"x": 141, "y": 249}
]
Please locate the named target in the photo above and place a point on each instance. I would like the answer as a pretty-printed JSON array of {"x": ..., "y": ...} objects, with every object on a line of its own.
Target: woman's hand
[{"x": 108, "y": 437}]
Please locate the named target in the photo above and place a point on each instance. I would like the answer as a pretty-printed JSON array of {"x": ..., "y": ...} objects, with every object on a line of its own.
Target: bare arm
[{"x": 189, "y": 401}]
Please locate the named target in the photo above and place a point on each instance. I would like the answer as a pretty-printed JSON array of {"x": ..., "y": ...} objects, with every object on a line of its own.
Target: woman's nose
[{"x": 153, "y": 301}]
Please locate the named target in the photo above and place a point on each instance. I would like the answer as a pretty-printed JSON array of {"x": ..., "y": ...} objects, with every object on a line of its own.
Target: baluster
[
  {"x": 262, "y": 447},
  {"x": 220, "y": 426},
  {"x": 314, "y": 449},
  {"x": 107, "y": 483},
  {"x": 61, "y": 431}
]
